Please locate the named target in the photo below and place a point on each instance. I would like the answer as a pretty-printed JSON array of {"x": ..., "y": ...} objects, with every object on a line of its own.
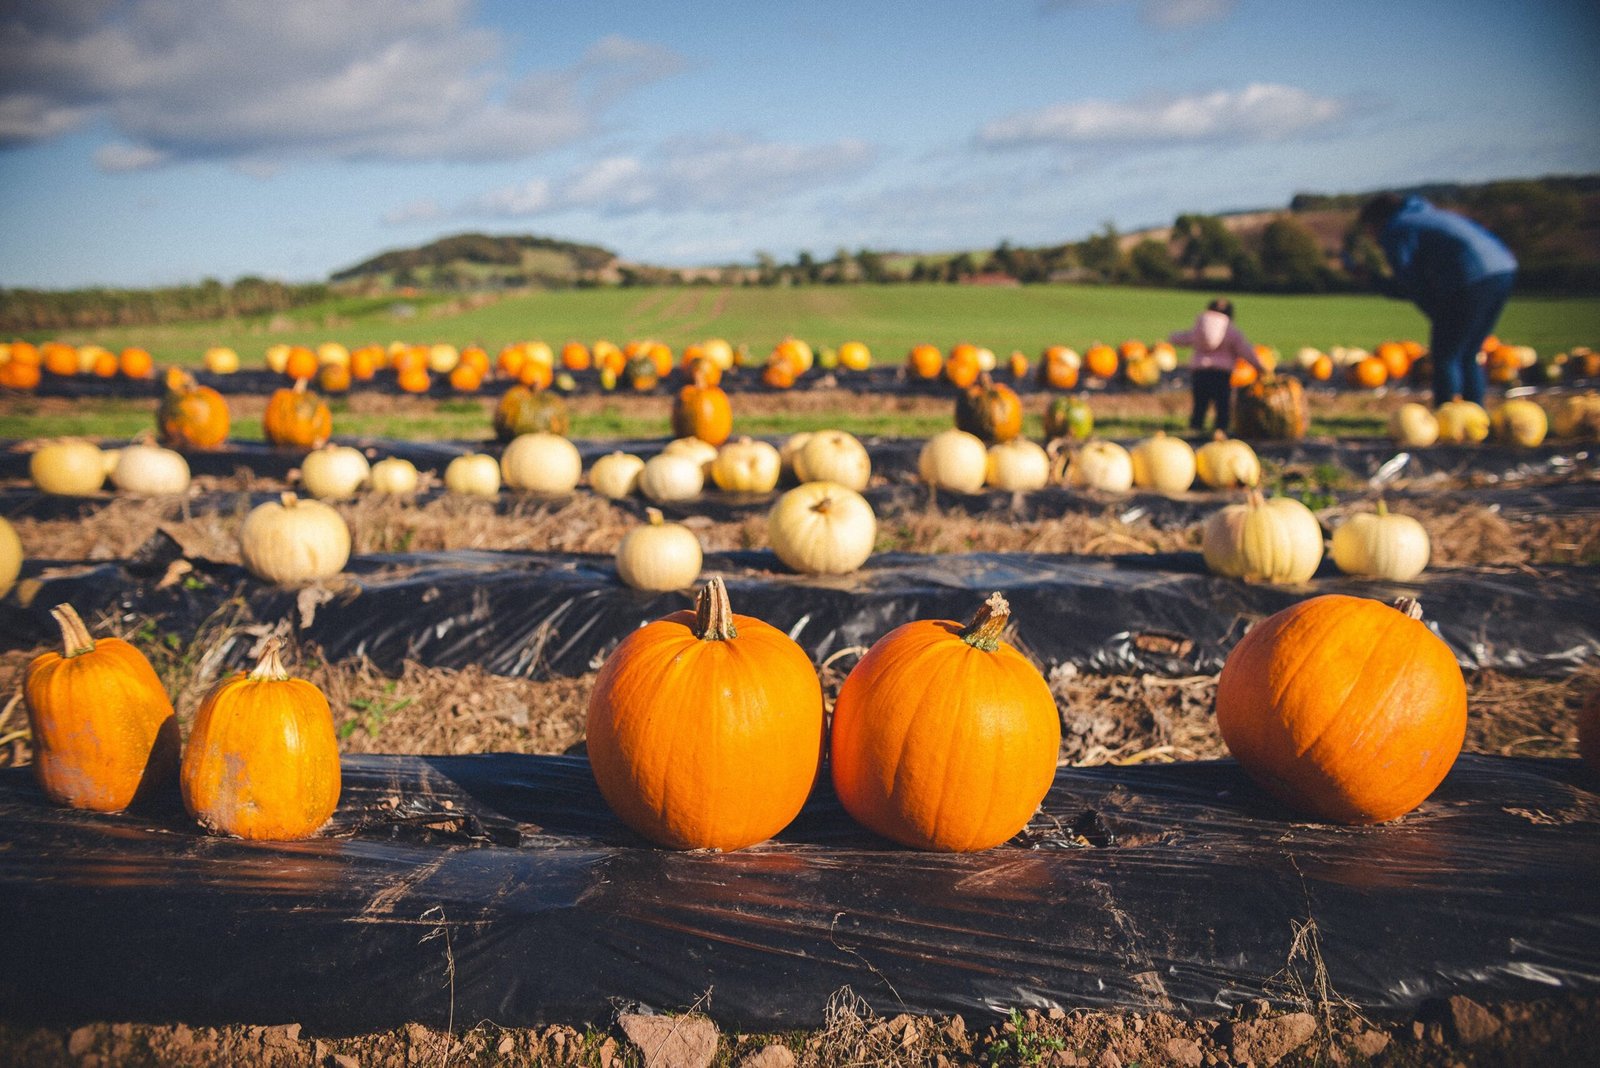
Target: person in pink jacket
[{"x": 1217, "y": 343}]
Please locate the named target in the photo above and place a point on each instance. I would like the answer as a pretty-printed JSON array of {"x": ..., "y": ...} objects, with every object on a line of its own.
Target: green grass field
[{"x": 890, "y": 319}]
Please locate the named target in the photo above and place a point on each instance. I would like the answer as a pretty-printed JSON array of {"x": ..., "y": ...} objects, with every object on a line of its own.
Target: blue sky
[{"x": 159, "y": 141}]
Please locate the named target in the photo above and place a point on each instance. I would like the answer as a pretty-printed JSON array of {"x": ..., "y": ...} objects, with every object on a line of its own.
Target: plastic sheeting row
[
  {"x": 500, "y": 888},
  {"x": 535, "y": 615}
]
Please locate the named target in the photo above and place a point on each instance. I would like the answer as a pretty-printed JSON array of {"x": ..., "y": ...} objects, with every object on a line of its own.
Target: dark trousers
[
  {"x": 1461, "y": 321},
  {"x": 1212, "y": 388}
]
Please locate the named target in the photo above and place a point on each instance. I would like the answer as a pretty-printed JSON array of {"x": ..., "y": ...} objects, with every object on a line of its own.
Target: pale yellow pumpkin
[
  {"x": 1519, "y": 422},
  {"x": 1462, "y": 422},
  {"x": 834, "y": 456},
  {"x": 541, "y": 463},
  {"x": 1413, "y": 426},
  {"x": 1381, "y": 545},
  {"x": 1164, "y": 464},
  {"x": 474, "y": 475},
  {"x": 746, "y": 466},
  {"x": 1227, "y": 463},
  {"x": 334, "y": 471},
  {"x": 1100, "y": 465},
  {"x": 822, "y": 528},
  {"x": 671, "y": 476},
  {"x": 659, "y": 555},
  {"x": 147, "y": 470},
  {"x": 71, "y": 467},
  {"x": 394, "y": 477},
  {"x": 1017, "y": 466},
  {"x": 955, "y": 460},
  {"x": 1277, "y": 541},
  {"x": 616, "y": 475},
  {"x": 294, "y": 540}
]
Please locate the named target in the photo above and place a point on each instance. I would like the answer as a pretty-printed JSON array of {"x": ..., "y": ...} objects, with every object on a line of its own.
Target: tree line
[{"x": 74, "y": 309}]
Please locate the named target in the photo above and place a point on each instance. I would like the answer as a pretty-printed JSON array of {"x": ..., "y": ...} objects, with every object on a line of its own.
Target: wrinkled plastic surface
[
  {"x": 500, "y": 888},
  {"x": 538, "y": 614}
]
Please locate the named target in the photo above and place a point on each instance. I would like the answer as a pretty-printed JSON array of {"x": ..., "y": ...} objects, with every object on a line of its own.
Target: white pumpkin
[
  {"x": 277, "y": 358},
  {"x": 746, "y": 466},
  {"x": 701, "y": 452},
  {"x": 1100, "y": 465},
  {"x": 671, "y": 476},
  {"x": 616, "y": 475},
  {"x": 334, "y": 471},
  {"x": 474, "y": 475},
  {"x": 1413, "y": 426},
  {"x": 659, "y": 555},
  {"x": 1164, "y": 464},
  {"x": 1227, "y": 463},
  {"x": 71, "y": 467},
  {"x": 1017, "y": 466},
  {"x": 220, "y": 360},
  {"x": 294, "y": 540},
  {"x": 542, "y": 463},
  {"x": 955, "y": 460},
  {"x": 1462, "y": 422},
  {"x": 822, "y": 528},
  {"x": 442, "y": 358},
  {"x": 1307, "y": 357},
  {"x": 1520, "y": 422},
  {"x": 10, "y": 556},
  {"x": 394, "y": 477},
  {"x": 834, "y": 456},
  {"x": 1578, "y": 416},
  {"x": 1277, "y": 541},
  {"x": 789, "y": 450},
  {"x": 151, "y": 471},
  {"x": 1381, "y": 545}
]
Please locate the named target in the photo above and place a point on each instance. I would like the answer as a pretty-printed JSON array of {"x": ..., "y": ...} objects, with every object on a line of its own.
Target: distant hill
[{"x": 486, "y": 261}]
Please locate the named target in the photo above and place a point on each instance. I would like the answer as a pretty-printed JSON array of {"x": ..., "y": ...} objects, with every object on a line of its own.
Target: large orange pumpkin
[
  {"x": 705, "y": 728},
  {"x": 1344, "y": 708},
  {"x": 297, "y": 418},
  {"x": 702, "y": 409},
  {"x": 104, "y": 732},
  {"x": 945, "y": 737},
  {"x": 991, "y": 410},
  {"x": 191, "y": 415},
  {"x": 262, "y": 760}
]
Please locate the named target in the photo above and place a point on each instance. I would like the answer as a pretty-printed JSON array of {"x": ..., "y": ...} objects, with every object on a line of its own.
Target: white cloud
[
  {"x": 345, "y": 79},
  {"x": 714, "y": 174},
  {"x": 1255, "y": 113},
  {"x": 1165, "y": 14}
]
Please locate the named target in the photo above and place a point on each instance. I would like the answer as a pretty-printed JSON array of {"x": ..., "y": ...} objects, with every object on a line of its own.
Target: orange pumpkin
[
  {"x": 465, "y": 378},
  {"x": 364, "y": 362},
  {"x": 1396, "y": 361},
  {"x": 945, "y": 737},
  {"x": 1058, "y": 368},
  {"x": 962, "y": 367},
  {"x": 575, "y": 356},
  {"x": 191, "y": 415},
  {"x": 608, "y": 356},
  {"x": 1101, "y": 360},
  {"x": 414, "y": 379},
  {"x": 779, "y": 373},
  {"x": 1322, "y": 368},
  {"x": 989, "y": 409},
  {"x": 104, "y": 732},
  {"x": 105, "y": 365},
  {"x": 15, "y": 374},
  {"x": 705, "y": 728},
  {"x": 297, "y": 418},
  {"x": 1344, "y": 707},
  {"x": 642, "y": 372},
  {"x": 135, "y": 363},
  {"x": 1243, "y": 375},
  {"x": 262, "y": 760},
  {"x": 475, "y": 357},
  {"x": 1133, "y": 349},
  {"x": 702, "y": 365},
  {"x": 59, "y": 359},
  {"x": 302, "y": 363},
  {"x": 661, "y": 354},
  {"x": 1369, "y": 373},
  {"x": 798, "y": 353},
  {"x": 522, "y": 410},
  {"x": 925, "y": 361},
  {"x": 535, "y": 374},
  {"x": 25, "y": 352},
  {"x": 702, "y": 409},
  {"x": 511, "y": 359},
  {"x": 334, "y": 377}
]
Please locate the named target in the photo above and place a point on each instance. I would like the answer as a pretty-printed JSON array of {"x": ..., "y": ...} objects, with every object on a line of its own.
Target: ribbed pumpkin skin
[
  {"x": 297, "y": 418},
  {"x": 706, "y": 744},
  {"x": 1273, "y": 408},
  {"x": 942, "y": 746},
  {"x": 702, "y": 410},
  {"x": 990, "y": 410},
  {"x": 262, "y": 760},
  {"x": 192, "y": 415},
  {"x": 104, "y": 731},
  {"x": 1344, "y": 708}
]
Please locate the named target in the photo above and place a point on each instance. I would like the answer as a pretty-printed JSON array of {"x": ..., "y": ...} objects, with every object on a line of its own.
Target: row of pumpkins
[
  {"x": 706, "y": 729},
  {"x": 23, "y": 364}
]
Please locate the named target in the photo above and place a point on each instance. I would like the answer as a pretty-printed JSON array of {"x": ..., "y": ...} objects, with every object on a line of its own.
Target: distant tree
[
  {"x": 807, "y": 268},
  {"x": 1207, "y": 242},
  {"x": 766, "y": 269},
  {"x": 1101, "y": 253},
  {"x": 1152, "y": 263},
  {"x": 1245, "y": 269},
  {"x": 1291, "y": 257},
  {"x": 871, "y": 266}
]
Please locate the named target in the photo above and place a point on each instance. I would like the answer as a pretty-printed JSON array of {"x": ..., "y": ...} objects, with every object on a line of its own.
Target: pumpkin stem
[
  {"x": 822, "y": 506},
  {"x": 654, "y": 517},
  {"x": 1410, "y": 607},
  {"x": 75, "y": 637},
  {"x": 300, "y": 384},
  {"x": 713, "y": 615},
  {"x": 988, "y": 623},
  {"x": 270, "y": 667},
  {"x": 288, "y": 499},
  {"x": 1383, "y": 508}
]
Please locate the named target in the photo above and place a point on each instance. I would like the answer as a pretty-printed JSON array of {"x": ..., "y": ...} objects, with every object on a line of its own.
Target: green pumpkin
[
  {"x": 530, "y": 411},
  {"x": 1068, "y": 417}
]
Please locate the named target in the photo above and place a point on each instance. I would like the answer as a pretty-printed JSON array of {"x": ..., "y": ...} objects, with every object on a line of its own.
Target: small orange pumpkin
[
  {"x": 1396, "y": 360},
  {"x": 465, "y": 378},
  {"x": 477, "y": 358},
  {"x": 104, "y": 732},
  {"x": 530, "y": 411},
  {"x": 191, "y": 415},
  {"x": 1019, "y": 365},
  {"x": 414, "y": 379},
  {"x": 135, "y": 363},
  {"x": 1369, "y": 373},
  {"x": 297, "y": 418},
  {"x": 1243, "y": 375},
  {"x": 262, "y": 760},
  {"x": 945, "y": 737},
  {"x": 364, "y": 362},
  {"x": 575, "y": 356},
  {"x": 59, "y": 359},
  {"x": 15, "y": 374},
  {"x": 1133, "y": 349},
  {"x": 702, "y": 409},
  {"x": 1101, "y": 360},
  {"x": 105, "y": 364},
  {"x": 925, "y": 361},
  {"x": 779, "y": 373},
  {"x": 705, "y": 728},
  {"x": 334, "y": 377},
  {"x": 302, "y": 363},
  {"x": 608, "y": 357},
  {"x": 962, "y": 367},
  {"x": 1322, "y": 368},
  {"x": 989, "y": 409},
  {"x": 1344, "y": 707},
  {"x": 536, "y": 374},
  {"x": 1058, "y": 368}
]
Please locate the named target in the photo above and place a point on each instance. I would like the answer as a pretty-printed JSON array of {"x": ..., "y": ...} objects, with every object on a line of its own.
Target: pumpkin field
[{"x": 746, "y": 676}]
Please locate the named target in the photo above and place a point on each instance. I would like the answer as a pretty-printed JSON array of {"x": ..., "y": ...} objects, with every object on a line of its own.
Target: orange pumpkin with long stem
[
  {"x": 262, "y": 760},
  {"x": 191, "y": 414},
  {"x": 702, "y": 409},
  {"x": 297, "y": 418},
  {"x": 104, "y": 732},
  {"x": 989, "y": 409},
  {"x": 705, "y": 728},
  {"x": 945, "y": 737},
  {"x": 1344, "y": 707}
]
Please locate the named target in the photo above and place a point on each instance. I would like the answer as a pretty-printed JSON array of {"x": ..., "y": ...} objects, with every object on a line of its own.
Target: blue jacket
[{"x": 1436, "y": 253}]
